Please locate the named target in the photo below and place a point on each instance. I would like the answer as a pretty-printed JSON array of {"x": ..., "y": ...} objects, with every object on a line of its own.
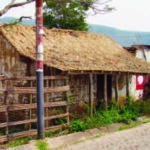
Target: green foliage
[
  {"x": 65, "y": 15},
  {"x": 130, "y": 126},
  {"x": 77, "y": 126},
  {"x": 113, "y": 114},
  {"x": 70, "y": 100},
  {"x": 60, "y": 121},
  {"x": 42, "y": 145},
  {"x": 19, "y": 142},
  {"x": 87, "y": 108}
]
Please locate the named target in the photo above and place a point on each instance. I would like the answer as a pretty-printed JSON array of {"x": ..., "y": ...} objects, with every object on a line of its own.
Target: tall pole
[{"x": 39, "y": 69}]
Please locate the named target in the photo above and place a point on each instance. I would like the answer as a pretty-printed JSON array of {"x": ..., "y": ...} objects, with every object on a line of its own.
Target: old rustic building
[
  {"x": 78, "y": 54},
  {"x": 79, "y": 68}
]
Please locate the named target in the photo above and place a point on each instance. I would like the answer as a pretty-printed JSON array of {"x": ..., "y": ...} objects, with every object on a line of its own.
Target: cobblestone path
[{"x": 137, "y": 138}]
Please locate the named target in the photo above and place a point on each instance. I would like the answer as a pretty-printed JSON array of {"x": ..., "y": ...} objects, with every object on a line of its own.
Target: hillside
[{"x": 122, "y": 37}]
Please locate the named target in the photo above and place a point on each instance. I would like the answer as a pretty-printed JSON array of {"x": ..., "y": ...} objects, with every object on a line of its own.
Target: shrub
[{"x": 77, "y": 126}]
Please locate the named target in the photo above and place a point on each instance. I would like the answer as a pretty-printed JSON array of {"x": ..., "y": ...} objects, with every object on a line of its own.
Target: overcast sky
[{"x": 129, "y": 14}]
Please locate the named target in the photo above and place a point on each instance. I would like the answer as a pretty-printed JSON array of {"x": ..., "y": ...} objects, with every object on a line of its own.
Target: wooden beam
[
  {"x": 105, "y": 91},
  {"x": 116, "y": 88},
  {"x": 91, "y": 94},
  {"x": 6, "y": 114},
  {"x": 30, "y": 132},
  {"x": 31, "y": 106},
  {"x": 15, "y": 123},
  {"x": 34, "y": 78},
  {"x": 127, "y": 85},
  {"x": 67, "y": 98},
  {"x": 32, "y": 90}
]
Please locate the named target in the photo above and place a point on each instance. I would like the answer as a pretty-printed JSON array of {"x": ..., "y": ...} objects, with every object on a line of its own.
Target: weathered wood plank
[
  {"x": 25, "y": 78},
  {"x": 105, "y": 91},
  {"x": 30, "y": 98},
  {"x": 31, "y": 121},
  {"x": 3, "y": 139},
  {"x": 31, "y": 106},
  {"x": 30, "y": 132},
  {"x": 46, "y": 97},
  {"x": 6, "y": 113},
  {"x": 3, "y": 108},
  {"x": 2, "y": 89},
  {"x": 127, "y": 85},
  {"x": 2, "y": 125},
  {"x": 32, "y": 90},
  {"x": 67, "y": 97},
  {"x": 91, "y": 93},
  {"x": 116, "y": 88}
]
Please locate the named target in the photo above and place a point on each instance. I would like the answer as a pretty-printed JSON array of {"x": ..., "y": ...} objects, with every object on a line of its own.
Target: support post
[
  {"x": 39, "y": 70},
  {"x": 91, "y": 94},
  {"x": 31, "y": 96},
  {"x": 127, "y": 85},
  {"x": 116, "y": 88},
  {"x": 105, "y": 91},
  {"x": 6, "y": 114},
  {"x": 67, "y": 98},
  {"x": 47, "y": 100}
]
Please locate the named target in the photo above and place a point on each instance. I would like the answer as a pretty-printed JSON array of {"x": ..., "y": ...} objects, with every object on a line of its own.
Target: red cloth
[{"x": 139, "y": 82}]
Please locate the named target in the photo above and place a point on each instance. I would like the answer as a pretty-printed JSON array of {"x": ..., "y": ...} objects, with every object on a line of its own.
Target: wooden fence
[{"x": 28, "y": 109}]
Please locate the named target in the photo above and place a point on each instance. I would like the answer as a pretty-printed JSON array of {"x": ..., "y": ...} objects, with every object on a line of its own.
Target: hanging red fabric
[{"x": 139, "y": 82}]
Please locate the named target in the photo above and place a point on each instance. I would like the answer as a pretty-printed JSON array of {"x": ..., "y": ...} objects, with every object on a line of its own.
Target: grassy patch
[
  {"x": 42, "y": 145},
  {"x": 18, "y": 142},
  {"x": 130, "y": 126},
  {"x": 133, "y": 125}
]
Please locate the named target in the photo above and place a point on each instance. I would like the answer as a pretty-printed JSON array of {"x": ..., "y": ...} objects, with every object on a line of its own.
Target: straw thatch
[{"x": 74, "y": 50}]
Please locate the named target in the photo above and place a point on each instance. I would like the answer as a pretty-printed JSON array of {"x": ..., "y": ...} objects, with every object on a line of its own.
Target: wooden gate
[{"x": 18, "y": 105}]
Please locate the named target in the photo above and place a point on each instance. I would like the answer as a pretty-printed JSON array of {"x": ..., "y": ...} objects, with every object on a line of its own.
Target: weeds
[
  {"x": 113, "y": 114},
  {"x": 42, "y": 145},
  {"x": 77, "y": 126},
  {"x": 133, "y": 125},
  {"x": 18, "y": 142}
]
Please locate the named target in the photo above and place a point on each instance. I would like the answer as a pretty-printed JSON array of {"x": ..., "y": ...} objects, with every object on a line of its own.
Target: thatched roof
[{"x": 74, "y": 50}]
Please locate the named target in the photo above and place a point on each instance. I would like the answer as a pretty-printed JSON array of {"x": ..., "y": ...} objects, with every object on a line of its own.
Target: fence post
[
  {"x": 91, "y": 93},
  {"x": 7, "y": 120},
  {"x": 105, "y": 91},
  {"x": 116, "y": 88},
  {"x": 67, "y": 97},
  {"x": 31, "y": 96}
]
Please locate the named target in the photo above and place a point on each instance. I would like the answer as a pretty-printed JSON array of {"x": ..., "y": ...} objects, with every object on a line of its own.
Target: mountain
[
  {"x": 122, "y": 37},
  {"x": 12, "y": 19}
]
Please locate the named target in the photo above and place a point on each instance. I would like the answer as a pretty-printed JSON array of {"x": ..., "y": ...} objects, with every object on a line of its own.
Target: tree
[
  {"x": 71, "y": 14},
  {"x": 11, "y": 5}
]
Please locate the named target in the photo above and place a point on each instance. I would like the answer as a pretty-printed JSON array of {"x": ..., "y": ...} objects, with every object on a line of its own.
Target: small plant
[
  {"x": 19, "y": 142},
  {"x": 42, "y": 145},
  {"x": 87, "y": 108},
  {"x": 77, "y": 126},
  {"x": 70, "y": 100}
]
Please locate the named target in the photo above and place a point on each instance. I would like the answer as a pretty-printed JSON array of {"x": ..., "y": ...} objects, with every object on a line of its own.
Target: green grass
[
  {"x": 130, "y": 126},
  {"x": 18, "y": 142},
  {"x": 133, "y": 125},
  {"x": 42, "y": 145}
]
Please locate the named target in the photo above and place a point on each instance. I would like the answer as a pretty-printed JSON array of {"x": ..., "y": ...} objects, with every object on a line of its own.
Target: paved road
[{"x": 133, "y": 139}]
